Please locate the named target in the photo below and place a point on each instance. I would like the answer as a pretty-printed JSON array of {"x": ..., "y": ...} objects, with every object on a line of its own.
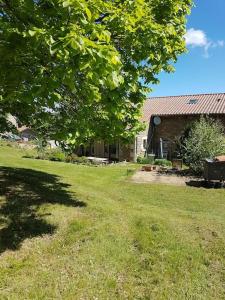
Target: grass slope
[{"x": 77, "y": 232}]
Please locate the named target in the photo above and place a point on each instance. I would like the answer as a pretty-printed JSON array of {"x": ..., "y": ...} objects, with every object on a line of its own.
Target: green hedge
[
  {"x": 73, "y": 158},
  {"x": 56, "y": 155},
  {"x": 163, "y": 162},
  {"x": 145, "y": 160}
]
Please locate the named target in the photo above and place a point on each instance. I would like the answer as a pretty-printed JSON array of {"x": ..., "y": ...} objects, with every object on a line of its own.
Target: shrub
[
  {"x": 205, "y": 140},
  {"x": 41, "y": 155},
  {"x": 56, "y": 155},
  {"x": 41, "y": 149},
  {"x": 83, "y": 160},
  {"x": 73, "y": 158},
  {"x": 145, "y": 160},
  {"x": 163, "y": 162}
]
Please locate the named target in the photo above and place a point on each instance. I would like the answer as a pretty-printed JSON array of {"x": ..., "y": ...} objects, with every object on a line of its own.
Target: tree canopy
[{"x": 80, "y": 68}]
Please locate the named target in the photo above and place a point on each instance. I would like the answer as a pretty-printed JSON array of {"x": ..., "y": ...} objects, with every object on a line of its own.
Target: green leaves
[
  {"x": 114, "y": 80},
  {"x": 75, "y": 66},
  {"x": 32, "y": 32},
  {"x": 204, "y": 140},
  {"x": 88, "y": 13}
]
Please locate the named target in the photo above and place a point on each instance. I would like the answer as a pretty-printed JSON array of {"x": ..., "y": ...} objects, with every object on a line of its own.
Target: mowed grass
[{"x": 78, "y": 232}]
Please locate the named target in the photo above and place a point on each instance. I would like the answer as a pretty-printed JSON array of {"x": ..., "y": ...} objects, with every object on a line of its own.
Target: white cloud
[{"x": 198, "y": 38}]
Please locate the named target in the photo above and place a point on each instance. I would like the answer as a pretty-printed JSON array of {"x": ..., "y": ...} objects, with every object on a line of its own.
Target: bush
[
  {"x": 83, "y": 160},
  {"x": 41, "y": 149},
  {"x": 163, "y": 162},
  {"x": 41, "y": 155},
  {"x": 205, "y": 140},
  {"x": 73, "y": 158},
  {"x": 55, "y": 155},
  {"x": 145, "y": 160}
]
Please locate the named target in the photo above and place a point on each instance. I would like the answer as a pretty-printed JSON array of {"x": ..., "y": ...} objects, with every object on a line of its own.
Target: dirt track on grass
[{"x": 156, "y": 177}]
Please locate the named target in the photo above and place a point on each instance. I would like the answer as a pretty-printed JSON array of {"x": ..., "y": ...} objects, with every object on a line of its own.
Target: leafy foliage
[
  {"x": 56, "y": 155},
  {"x": 145, "y": 160},
  {"x": 163, "y": 162},
  {"x": 73, "y": 158},
  {"x": 205, "y": 140},
  {"x": 78, "y": 70}
]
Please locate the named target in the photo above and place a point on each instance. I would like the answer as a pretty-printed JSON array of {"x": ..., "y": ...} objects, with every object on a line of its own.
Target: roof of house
[{"x": 184, "y": 105}]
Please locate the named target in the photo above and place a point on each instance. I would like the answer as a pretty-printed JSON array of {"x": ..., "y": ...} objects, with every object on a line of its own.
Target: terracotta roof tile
[{"x": 184, "y": 105}]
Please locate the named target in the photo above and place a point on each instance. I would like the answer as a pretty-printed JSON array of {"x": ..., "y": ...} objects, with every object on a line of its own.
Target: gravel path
[{"x": 156, "y": 177}]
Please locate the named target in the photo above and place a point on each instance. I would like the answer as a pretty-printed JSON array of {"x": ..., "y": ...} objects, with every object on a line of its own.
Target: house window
[
  {"x": 144, "y": 143},
  {"x": 193, "y": 101}
]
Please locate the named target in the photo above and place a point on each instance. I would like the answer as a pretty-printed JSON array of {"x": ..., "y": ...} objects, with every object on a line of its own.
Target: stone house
[{"x": 166, "y": 119}]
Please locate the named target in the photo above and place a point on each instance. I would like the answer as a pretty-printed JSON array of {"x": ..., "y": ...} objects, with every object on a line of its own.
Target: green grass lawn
[{"x": 78, "y": 232}]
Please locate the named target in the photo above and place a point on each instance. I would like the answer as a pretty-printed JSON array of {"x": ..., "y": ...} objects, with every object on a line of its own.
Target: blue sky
[{"x": 202, "y": 69}]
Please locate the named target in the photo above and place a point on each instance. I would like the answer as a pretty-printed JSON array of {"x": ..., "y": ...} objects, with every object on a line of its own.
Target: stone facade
[
  {"x": 141, "y": 141},
  {"x": 171, "y": 129}
]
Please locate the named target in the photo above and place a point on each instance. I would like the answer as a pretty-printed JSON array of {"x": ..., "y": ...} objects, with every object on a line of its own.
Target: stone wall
[
  {"x": 139, "y": 149},
  {"x": 172, "y": 127}
]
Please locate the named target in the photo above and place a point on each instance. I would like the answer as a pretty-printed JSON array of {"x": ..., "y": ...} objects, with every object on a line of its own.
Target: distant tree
[
  {"x": 78, "y": 69},
  {"x": 205, "y": 140}
]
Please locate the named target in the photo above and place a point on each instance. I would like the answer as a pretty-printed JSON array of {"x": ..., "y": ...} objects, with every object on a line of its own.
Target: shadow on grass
[
  {"x": 206, "y": 184},
  {"x": 25, "y": 190}
]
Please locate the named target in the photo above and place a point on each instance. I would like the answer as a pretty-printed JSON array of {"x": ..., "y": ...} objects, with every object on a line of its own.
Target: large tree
[{"x": 81, "y": 67}]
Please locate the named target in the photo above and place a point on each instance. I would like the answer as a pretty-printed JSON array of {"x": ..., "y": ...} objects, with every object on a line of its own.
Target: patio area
[{"x": 165, "y": 178}]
